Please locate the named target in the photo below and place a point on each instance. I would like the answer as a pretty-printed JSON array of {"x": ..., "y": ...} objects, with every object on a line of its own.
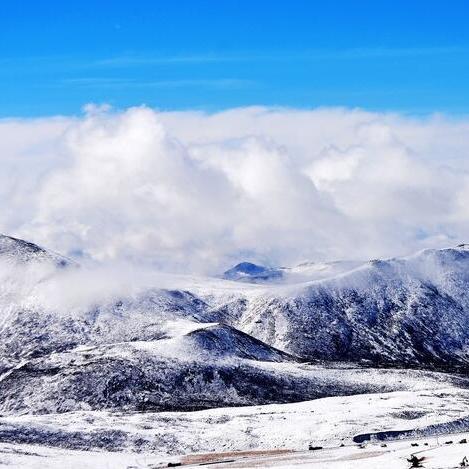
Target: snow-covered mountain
[
  {"x": 19, "y": 251},
  {"x": 181, "y": 342},
  {"x": 410, "y": 311},
  {"x": 249, "y": 272}
]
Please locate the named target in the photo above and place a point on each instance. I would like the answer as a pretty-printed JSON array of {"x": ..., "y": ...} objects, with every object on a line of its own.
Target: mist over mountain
[{"x": 194, "y": 342}]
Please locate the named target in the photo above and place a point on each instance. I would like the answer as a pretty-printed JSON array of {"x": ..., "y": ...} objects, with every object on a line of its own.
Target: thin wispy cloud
[
  {"x": 240, "y": 56},
  {"x": 105, "y": 82},
  {"x": 135, "y": 60},
  {"x": 279, "y": 55}
]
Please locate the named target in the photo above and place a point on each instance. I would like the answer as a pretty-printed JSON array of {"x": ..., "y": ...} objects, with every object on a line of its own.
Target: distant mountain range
[{"x": 246, "y": 338}]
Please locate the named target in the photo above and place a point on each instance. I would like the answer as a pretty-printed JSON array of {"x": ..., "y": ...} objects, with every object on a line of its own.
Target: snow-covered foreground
[
  {"x": 437, "y": 454},
  {"x": 154, "y": 439},
  {"x": 394, "y": 455}
]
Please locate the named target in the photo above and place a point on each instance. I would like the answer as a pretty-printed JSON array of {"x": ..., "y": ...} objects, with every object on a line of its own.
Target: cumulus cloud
[{"x": 190, "y": 191}]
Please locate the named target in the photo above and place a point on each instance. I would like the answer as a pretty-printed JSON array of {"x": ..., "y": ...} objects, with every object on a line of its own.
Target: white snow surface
[{"x": 433, "y": 413}]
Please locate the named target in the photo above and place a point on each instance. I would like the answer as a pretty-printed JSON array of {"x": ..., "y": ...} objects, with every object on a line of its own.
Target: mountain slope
[
  {"x": 20, "y": 251},
  {"x": 409, "y": 311},
  {"x": 189, "y": 342}
]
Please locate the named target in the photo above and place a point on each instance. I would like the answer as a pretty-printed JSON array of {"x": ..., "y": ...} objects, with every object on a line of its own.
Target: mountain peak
[
  {"x": 21, "y": 251},
  {"x": 249, "y": 272}
]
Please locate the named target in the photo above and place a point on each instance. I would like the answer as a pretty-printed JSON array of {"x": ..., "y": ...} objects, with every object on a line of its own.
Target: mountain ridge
[{"x": 213, "y": 342}]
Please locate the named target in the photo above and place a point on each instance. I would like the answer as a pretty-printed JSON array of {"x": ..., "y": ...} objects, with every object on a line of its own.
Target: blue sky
[{"x": 409, "y": 56}]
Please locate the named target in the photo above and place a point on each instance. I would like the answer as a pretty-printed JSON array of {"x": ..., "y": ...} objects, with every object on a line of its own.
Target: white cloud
[{"x": 194, "y": 191}]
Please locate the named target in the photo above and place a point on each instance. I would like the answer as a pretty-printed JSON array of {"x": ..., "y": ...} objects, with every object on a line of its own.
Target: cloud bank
[{"x": 196, "y": 192}]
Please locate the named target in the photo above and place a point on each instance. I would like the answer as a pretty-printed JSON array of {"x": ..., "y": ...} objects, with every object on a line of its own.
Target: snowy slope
[
  {"x": 19, "y": 251},
  {"x": 166, "y": 436},
  {"x": 207, "y": 367},
  {"x": 70, "y": 341},
  {"x": 408, "y": 311}
]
